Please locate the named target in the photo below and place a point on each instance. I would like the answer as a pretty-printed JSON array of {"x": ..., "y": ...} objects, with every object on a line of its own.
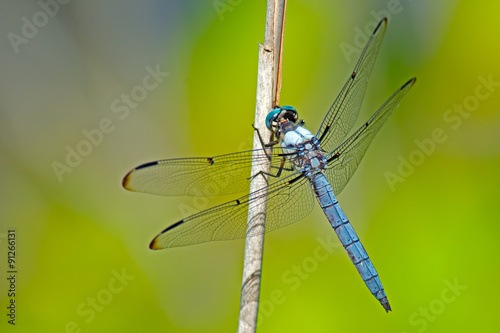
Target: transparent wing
[
  {"x": 344, "y": 161},
  {"x": 344, "y": 111},
  {"x": 203, "y": 176},
  {"x": 288, "y": 200}
]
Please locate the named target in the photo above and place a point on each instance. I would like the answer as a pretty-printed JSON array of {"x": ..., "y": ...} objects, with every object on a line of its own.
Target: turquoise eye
[
  {"x": 271, "y": 118},
  {"x": 288, "y": 112},
  {"x": 288, "y": 108}
]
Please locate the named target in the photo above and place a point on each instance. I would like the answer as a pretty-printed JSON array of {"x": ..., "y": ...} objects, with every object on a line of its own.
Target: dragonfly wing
[
  {"x": 288, "y": 200},
  {"x": 344, "y": 161},
  {"x": 345, "y": 109},
  {"x": 203, "y": 176}
]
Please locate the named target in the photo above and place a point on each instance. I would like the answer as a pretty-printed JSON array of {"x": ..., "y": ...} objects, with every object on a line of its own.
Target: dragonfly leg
[
  {"x": 266, "y": 145},
  {"x": 278, "y": 174},
  {"x": 271, "y": 141}
]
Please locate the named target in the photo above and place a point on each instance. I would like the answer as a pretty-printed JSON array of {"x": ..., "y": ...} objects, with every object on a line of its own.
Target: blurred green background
[{"x": 425, "y": 208}]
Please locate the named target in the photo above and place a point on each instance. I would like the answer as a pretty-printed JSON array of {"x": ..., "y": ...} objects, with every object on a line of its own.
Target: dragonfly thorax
[{"x": 303, "y": 147}]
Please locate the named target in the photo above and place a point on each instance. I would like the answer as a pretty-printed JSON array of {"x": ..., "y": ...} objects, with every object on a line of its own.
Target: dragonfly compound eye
[
  {"x": 285, "y": 112},
  {"x": 289, "y": 113},
  {"x": 272, "y": 119}
]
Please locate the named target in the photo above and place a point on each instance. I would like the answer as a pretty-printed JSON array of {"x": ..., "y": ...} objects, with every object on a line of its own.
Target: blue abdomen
[{"x": 348, "y": 238}]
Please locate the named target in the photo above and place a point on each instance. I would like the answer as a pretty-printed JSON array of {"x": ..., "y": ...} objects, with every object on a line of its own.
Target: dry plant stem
[
  {"x": 250, "y": 288},
  {"x": 268, "y": 82},
  {"x": 278, "y": 45}
]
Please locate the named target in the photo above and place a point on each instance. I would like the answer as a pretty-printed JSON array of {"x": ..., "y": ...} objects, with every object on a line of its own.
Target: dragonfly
[{"x": 304, "y": 168}]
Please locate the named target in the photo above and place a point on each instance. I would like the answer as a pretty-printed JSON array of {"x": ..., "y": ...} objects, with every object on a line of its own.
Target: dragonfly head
[{"x": 279, "y": 114}]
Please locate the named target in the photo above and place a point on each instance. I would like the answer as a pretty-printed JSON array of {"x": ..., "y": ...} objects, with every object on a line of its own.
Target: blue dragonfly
[{"x": 303, "y": 167}]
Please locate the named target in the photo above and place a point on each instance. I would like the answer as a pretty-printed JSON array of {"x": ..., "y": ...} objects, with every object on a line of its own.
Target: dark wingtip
[
  {"x": 145, "y": 165},
  {"x": 154, "y": 244},
  {"x": 126, "y": 180},
  {"x": 413, "y": 80},
  {"x": 382, "y": 21},
  {"x": 410, "y": 82}
]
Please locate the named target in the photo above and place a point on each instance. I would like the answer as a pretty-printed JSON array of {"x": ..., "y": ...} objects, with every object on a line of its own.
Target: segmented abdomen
[{"x": 348, "y": 238}]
